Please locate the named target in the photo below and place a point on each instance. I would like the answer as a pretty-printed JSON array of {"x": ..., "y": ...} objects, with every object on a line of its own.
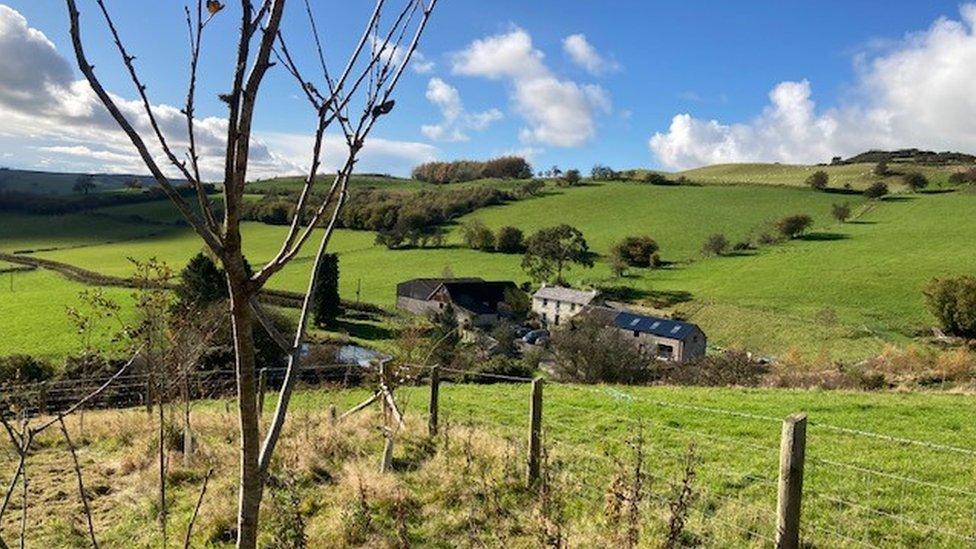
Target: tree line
[{"x": 441, "y": 173}]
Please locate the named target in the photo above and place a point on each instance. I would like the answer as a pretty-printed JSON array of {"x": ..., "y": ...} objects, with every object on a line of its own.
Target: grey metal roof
[
  {"x": 566, "y": 295},
  {"x": 661, "y": 327},
  {"x": 421, "y": 288}
]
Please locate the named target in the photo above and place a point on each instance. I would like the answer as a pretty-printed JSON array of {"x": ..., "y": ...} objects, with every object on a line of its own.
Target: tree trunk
[{"x": 251, "y": 481}]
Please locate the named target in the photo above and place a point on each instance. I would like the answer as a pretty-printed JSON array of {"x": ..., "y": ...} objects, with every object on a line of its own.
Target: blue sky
[{"x": 756, "y": 81}]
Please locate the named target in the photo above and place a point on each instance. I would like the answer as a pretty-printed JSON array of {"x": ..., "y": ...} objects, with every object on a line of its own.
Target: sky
[{"x": 667, "y": 85}]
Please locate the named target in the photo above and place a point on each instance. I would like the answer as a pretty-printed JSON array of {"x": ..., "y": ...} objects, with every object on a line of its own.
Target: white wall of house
[{"x": 554, "y": 312}]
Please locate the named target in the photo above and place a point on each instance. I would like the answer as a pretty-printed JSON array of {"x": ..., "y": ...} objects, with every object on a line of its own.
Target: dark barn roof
[
  {"x": 422, "y": 288},
  {"x": 478, "y": 296},
  {"x": 661, "y": 327}
]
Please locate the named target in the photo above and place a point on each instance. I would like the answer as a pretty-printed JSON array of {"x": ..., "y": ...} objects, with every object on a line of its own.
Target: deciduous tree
[{"x": 351, "y": 101}]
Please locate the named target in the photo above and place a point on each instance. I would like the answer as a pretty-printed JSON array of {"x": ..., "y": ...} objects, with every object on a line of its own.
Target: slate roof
[
  {"x": 422, "y": 288},
  {"x": 566, "y": 295},
  {"x": 661, "y": 327},
  {"x": 478, "y": 296}
]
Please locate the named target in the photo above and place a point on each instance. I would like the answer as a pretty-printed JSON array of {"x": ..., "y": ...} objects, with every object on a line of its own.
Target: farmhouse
[
  {"x": 476, "y": 302},
  {"x": 556, "y": 304},
  {"x": 661, "y": 338}
]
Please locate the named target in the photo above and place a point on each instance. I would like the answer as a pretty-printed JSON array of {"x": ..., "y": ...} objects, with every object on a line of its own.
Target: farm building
[
  {"x": 556, "y": 304},
  {"x": 664, "y": 339},
  {"x": 476, "y": 302}
]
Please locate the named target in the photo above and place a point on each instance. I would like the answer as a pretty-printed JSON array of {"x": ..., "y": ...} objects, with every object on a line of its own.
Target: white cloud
[
  {"x": 456, "y": 119},
  {"x": 558, "y": 112},
  {"x": 420, "y": 64},
  {"x": 585, "y": 55},
  {"x": 916, "y": 92},
  {"x": 51, "y": 119}
]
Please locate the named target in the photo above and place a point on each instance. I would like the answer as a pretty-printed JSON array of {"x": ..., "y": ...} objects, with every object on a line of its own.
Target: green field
[
  {"x": 680, "y": 218},
  {"x": 843, "y": 291},
  {"x": 858, "y": 176},
  {"x": 880, "y": 470},
  {"x": 34, "y": 314}
]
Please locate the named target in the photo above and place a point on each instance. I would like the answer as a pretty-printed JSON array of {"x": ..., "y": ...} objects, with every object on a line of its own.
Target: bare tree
[{"x": 373, "y": 69}]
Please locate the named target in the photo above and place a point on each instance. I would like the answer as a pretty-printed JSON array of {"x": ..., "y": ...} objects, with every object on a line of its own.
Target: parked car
[
  {"x": 521, "y": 331},
  {"x": 532, "y": 338}
]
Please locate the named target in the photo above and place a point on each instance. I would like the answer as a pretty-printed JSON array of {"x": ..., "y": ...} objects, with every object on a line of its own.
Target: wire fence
[{"x": 860, "y": 487}]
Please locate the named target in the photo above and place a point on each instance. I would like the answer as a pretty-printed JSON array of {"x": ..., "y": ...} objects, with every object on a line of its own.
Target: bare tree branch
[
  {"x": 196, "y": 509},
  {"x": 195, "y": 38},
  {"x": 81, "y": 482},
  {"x": 101, "y": 388},
  {"x": 89, "y": 71}
]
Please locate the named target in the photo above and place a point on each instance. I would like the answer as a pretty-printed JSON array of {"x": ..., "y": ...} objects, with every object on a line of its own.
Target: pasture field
[
  {"x": 680, "y": 218},
  {"x": 33, "y": 315},
  {"x": 858, "y": 176},
  {"x": 843, "y": 291},
  {"x": 870, "y": 272},
  {"x": 881, "y": 469}
]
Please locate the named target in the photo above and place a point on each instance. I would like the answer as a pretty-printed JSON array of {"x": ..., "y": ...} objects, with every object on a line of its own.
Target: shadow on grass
[
  {"x": 823, "y": 237},
  {"x": 898, "y": 198},
  {"x": 859, "y": 222},
  {"x": 837, "y": 190},
  {"x": 658, "y": 298},
  {"x": 364, "y": 330}
]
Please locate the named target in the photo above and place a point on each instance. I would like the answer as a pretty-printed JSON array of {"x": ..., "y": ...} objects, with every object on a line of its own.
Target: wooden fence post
[
  {"x": 333, "y": 415},
  {"x": 384, "y": 384},
  {"x": 535, "y": 431},
  {"x": 792, "y": 451},
  {"x": 262, "y": 385},
  {"x": 435, "y": 387}
]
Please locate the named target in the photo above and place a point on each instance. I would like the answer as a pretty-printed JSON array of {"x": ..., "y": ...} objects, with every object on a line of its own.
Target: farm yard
[
  {"x": 838, "y": 291},
  {"x": 880, "y": 469}
]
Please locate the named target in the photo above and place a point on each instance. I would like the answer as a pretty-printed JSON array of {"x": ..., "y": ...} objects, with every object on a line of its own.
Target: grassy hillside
[
  {"x": 858, "y": 176},
  {"x": 680, "y": 218},
  {"x": 843, "y": 291},
  {"x": 58, "y": 183},
  {"x": 467, "y": 484}
]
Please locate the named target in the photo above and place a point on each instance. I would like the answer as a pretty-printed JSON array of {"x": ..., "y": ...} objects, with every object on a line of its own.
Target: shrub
[
  {"x": 961, "y": 178},
  {"x": 586, "y": 352},
  {"x": 724, "y": 369},
  {"x": 953, "y": 302},
  {"x": 654, "y": 178},
  {"x": 915, "y": 181},
  {"x": 530, "y": 188},
  {"x": 818, "y": 180},
  {"x": 571, "y": 178},
  {"x": 24, "y": 369},
  {"x": 841, "y": 212},
  {"x": 876, "y": 190},
  {"x": 509, "y": 240},
  {"x": 635, "y": 251},
  {"x": 477, "y": 236},
  {"x": 715, "y": 244},
  {"x": 881, "y": 169},
  {"x": 793, "y": 226}
]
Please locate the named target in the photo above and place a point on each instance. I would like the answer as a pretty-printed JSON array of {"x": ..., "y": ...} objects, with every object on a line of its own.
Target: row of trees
[
  {"x": 507, "y": 240},
  {"x": 915, "y": 181},
  {"x": 441, "y": 173},
  {"x": 19, "y": 201}
]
